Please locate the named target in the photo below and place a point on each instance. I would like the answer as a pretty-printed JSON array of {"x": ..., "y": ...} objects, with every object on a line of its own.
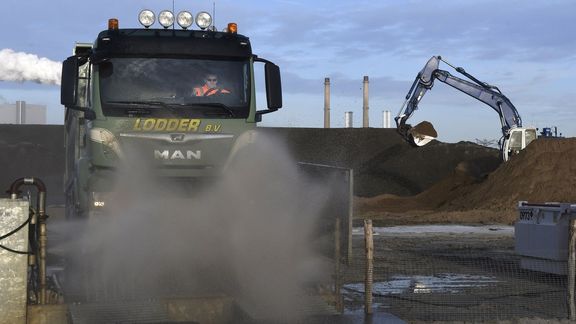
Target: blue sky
[{"x": 526, "y": 48}]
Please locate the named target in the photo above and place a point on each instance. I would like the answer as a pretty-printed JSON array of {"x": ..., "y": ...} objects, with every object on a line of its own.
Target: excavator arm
[
  {"x": 477, "y": 89},
  {"x": 423, "y": 82}
]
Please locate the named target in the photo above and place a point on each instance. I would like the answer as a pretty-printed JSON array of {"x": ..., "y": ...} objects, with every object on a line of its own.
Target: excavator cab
[{"x": 518, "y": 139}]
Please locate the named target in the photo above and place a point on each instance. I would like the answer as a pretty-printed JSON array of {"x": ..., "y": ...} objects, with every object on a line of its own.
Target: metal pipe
[
  {"x": 326, "y": 102},
  {"x": 43, "y": 237},
  {"x": 365, "y": 109}
]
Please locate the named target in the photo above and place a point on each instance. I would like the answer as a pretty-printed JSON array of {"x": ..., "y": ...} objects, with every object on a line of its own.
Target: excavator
[{"x": 514, "y": 137}]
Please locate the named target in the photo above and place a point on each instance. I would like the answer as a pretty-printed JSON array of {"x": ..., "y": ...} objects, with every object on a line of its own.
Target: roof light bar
[
  {"x": 166, "y": 18},
  {"x": 203, "y": 20},
  {"x": 185, "y": 19},
  {"x": 146, "y": 18}
]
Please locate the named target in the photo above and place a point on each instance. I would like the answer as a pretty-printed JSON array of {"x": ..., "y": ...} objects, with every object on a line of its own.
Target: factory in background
[{"x": 22, "y": 113}]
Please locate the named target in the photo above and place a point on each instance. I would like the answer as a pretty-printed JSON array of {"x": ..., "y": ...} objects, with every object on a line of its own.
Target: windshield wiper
[
  {"x": 138, "y": 103},
  {"x": 139, "y": 110},
  {"x": 222, "y": 106}
]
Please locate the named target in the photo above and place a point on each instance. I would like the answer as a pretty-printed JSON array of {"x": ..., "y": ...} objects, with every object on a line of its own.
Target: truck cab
[{"x": 130, "y": 98}]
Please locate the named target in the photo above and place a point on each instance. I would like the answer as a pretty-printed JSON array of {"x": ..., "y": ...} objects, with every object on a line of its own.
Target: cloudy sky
[{"x": 526, "y": 48}]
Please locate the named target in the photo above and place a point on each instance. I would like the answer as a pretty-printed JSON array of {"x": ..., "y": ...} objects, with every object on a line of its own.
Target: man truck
[{"x": 130, "y": 95}]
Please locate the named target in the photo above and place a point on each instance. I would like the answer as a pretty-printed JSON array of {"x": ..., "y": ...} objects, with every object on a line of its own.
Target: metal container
[
  {"x": 541, "y": 236},
  {"x": 13, "y": 267}
]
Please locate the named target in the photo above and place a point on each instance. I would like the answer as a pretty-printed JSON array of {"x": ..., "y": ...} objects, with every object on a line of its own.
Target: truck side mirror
[
  {"x": 69, "y": 87},
  {"x": 69, "y": 82},
  {"x": 273, "y": 86}
]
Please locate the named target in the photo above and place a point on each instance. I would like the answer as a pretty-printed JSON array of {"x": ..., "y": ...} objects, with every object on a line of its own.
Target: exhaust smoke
[
  {"x": 21, "y": 67},
  {"x": 248, "y": 234}
]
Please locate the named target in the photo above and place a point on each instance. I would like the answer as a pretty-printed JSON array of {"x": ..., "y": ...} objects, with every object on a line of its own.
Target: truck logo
[
  {"x": 177, "y": 137},
  {"x": 526, "y": 215},
  {"x": 177, "y": 155}
]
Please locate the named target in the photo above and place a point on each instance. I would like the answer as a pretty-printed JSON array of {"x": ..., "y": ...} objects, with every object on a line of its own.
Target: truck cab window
[{"x": 164, "y": 87}]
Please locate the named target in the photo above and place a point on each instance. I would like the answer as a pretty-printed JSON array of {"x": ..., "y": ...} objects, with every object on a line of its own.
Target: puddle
[
  {"x": 439, "y": 229},
  {"x": 442, "y": 283}
]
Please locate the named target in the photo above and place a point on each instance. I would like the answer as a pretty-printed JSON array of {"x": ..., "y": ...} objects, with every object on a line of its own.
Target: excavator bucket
[{"x": 422, "y": 133}]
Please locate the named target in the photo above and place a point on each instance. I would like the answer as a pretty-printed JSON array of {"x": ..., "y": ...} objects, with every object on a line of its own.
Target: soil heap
[
  {"x": 383, "y": 162},
  {"x": 543, "y": 172}
]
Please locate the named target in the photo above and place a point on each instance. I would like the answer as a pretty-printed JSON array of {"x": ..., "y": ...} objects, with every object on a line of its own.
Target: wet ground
[{"x": 452, "y": 273}]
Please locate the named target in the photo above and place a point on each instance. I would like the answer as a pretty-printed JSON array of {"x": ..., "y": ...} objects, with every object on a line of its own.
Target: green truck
[{"x": 182, "y": 101}]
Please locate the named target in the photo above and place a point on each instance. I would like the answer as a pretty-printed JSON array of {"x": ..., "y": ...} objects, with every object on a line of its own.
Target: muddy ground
[{"x": 466, "y": 276}]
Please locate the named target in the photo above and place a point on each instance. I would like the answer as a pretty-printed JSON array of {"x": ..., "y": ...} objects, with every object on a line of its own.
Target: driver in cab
[{"x": 210, "y": 87}]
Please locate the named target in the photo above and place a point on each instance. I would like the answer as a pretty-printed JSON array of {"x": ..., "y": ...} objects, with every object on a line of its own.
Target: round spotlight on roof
[
  {"x": 146, "y": 18},
  {"x": 166, "y": 18},
  {"x": 203, "y": 20},
  {"x": 185, "y": 19}
]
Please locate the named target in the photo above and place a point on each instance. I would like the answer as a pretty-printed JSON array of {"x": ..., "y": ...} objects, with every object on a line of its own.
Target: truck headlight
[
  {"x": 106, "y": 138},
  {"x": 166, "y": 18},
  {"x": 98, "y": 200},
  {"x": 146, "y": 18},
  {"x": 203, "y": 20},
  {"x": 185, "y": 19}
]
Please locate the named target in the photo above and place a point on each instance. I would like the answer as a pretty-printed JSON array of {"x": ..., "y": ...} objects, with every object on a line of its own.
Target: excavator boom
[{"x": 424, "y": 132}]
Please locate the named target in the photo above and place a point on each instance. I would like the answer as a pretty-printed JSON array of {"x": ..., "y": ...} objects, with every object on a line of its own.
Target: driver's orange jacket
[{"x": 205, "y": 91}]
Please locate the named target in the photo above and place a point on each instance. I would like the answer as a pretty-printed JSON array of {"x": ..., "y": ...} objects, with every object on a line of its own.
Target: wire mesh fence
[{"x": 453, "y": 273}]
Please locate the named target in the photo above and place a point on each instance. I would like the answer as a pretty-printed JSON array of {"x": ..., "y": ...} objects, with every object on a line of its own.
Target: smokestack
[
  {"x": 20, "y": 67},
  {"x": 326, "y": 102},
  {"x": 348, "y": 119},
  {"x": 386, "y": 119},
  {"x": 365, "y": 121},
  {"x": 20, "y": 112}
]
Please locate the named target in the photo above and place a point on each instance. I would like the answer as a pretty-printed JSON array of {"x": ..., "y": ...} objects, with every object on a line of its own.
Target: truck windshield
[{"x": 168, "y": 87}]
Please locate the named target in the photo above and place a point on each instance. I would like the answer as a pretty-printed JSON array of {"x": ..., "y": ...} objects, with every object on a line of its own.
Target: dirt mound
[
  {"x": 383, "y": 162},
  {"x": 543, "y": 172},
  {"x": 460, "y": 182}
]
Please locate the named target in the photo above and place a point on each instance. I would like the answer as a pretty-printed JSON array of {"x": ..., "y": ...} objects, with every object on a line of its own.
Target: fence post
[
  {"x": 369, "y": 242},
  {"x": 337, "y": 259},
  {"x": 350, "y": 215},
  {"x": 571, "y": 270}
]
